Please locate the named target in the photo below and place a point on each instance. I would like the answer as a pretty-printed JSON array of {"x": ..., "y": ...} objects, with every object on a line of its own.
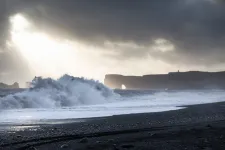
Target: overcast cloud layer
[{"x": 185, "y": 32}]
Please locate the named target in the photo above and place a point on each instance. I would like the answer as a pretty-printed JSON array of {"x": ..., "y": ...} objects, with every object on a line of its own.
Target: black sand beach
[{"x": 195, "y": 127}]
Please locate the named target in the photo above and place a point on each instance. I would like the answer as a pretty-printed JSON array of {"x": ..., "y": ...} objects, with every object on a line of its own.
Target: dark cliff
[
  {"x": 13, "y": 86},
  {"x": 173, "y": 80}
]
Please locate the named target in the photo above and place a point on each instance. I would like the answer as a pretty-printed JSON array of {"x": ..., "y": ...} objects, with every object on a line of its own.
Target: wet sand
[{"x": 195, "y": 127}]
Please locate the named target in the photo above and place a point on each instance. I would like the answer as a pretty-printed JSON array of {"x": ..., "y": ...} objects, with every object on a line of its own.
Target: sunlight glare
[
  {"x": 19, "y": 23},
  {"x": 45, "y": 55},
  {"x": 50, "y": 57}
]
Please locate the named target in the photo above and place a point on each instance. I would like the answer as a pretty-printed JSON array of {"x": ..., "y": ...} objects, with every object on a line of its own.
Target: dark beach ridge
[{"x": 195, "y": 127}]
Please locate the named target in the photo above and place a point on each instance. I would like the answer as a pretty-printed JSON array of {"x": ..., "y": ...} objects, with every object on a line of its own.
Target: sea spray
[{"x": 67, "y": 91}]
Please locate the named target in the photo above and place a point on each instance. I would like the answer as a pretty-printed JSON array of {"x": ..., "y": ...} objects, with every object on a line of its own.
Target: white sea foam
[
  {"x": 70, "y": 97},
  {"x": 67, "y": 91}
]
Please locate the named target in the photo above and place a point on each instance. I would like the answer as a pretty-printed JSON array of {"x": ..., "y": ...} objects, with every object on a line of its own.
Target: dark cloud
[
  {"x": 196, "y": 28},
  {"x": 3, "y": 22},
  {"x": 12, "y": 66}
]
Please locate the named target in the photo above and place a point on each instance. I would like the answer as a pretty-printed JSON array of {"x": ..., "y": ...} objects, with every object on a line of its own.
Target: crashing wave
[{"x": 67, "y": 91}]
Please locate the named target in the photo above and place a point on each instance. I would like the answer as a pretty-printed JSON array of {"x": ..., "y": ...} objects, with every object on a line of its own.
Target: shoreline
[{"x": 169, "y": 123}]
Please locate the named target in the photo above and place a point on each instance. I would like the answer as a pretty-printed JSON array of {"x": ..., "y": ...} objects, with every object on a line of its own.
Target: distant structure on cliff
[
  {"x": 172, "y": 80},
  {"x": 13, "y": 86}
]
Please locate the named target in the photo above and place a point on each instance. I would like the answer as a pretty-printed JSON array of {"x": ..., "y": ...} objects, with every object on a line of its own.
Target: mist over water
[
  {"x": 70, "y": 98},
  {"x": 67, "y": 91}
]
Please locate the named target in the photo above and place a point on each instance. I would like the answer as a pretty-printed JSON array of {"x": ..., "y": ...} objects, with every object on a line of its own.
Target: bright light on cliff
[{"x": 124, "y": 87}]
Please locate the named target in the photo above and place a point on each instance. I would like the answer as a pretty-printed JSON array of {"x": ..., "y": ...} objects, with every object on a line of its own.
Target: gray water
[{"x": 124, "y": 102}]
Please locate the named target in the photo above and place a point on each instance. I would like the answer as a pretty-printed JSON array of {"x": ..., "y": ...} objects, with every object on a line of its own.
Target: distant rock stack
[{"x": 13, "y": 86}]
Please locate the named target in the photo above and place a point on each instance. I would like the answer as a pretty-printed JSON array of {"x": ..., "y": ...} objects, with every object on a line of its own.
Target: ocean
[{"x": 77, "y": 98}]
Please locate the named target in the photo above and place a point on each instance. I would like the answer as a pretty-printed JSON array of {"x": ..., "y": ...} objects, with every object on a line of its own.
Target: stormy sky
[{"x": 120, "y": 36}]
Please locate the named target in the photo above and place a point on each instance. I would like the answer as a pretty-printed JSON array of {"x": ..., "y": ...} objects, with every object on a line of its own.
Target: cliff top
[{"x": 187, "y": 72}]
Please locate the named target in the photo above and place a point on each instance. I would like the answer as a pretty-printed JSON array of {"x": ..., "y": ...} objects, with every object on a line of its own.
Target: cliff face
[
  {"x": 13, "y": 86},
  {"x": 173, "y": 80}
]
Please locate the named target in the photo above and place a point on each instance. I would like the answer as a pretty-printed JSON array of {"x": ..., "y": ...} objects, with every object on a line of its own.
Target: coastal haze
[
  {"x": 131, "y": 102},
  {"x": 93, "y": 38},
  {"x": 122, "y": 44},
  {"x": 78, "y": 98},
  {"x": 112, "y": 74}
]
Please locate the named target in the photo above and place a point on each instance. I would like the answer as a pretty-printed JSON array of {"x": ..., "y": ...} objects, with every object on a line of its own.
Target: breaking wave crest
[{"x": 67, "y": 91}]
